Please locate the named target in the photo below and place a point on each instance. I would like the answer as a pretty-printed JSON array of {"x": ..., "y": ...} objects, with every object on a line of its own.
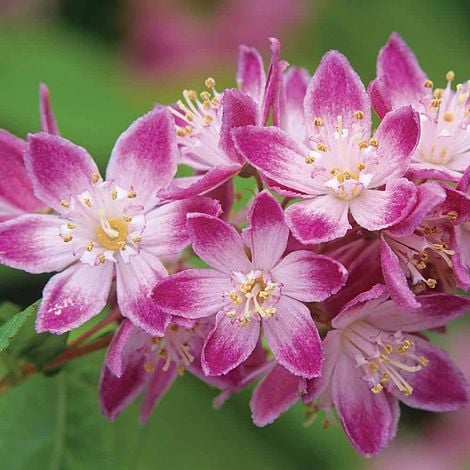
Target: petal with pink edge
[
  {"x": 398, "y": 135},
  {"x": 58, "y": 168},
  {"x": 229, "y": 344},
  {"x": 33, "y": 243},
  {"x": 275, "y": 394},
  {"x": 251, "y": 77},
  {"x": 400, "y": 73},
  {"x": 74, "y": 296},
  {"x": 336, "y": 90},
  {"x": 194, "y": 293},
  {"x": 293, "y": 338},
  {"x": 318, "y": 220},
  {"x": 16, "y": 191},
  {"x": 238, "y": 110},
  {"x": 159, "y": 383},
  {"x": 268, "y": 233},
  {"x": 277, "y": 156},
  {"x": 376, "y": 210},
  {"x": 48, "y": 121},
  {"x": 144, "y": 157},
  {"x": 166, "y": 226},
  {"x": 309, "y": 277},
  {"x": 292, "y": 114},
  {"x": 217, "y": 243},
  {"x": 134, "y": 284},
  {"x": 379, "y": 96},
  {"x": 440, "y": 386},
  {"x": 366, "y": 417}
]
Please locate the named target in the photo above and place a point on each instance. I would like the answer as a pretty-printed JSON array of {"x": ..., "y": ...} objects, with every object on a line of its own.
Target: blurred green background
[{"x": 103, "y": 74}]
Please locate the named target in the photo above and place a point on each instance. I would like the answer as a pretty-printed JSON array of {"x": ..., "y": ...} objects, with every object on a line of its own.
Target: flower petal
[
  {"x": 251, "y": 77},
  {"x": 16, "y": 191},
  {"x": 268, "y": 233},
  {"x": 366, "y": 417},
  {"x": 193, "y": 293},
  {"x": 379, "y": 96},
  {"x": 275, "y": 394},
  {"x": 58, "y": 168},
  {"x": 400, "y": 73},
  {"x": 318, "y": 220},
  {"x": 166, "y": 226},
  {"x": 229, "y": 344},
  {"x": 292, "y": 115},
  {"x": 293, "y": 338},
  {"x": 277, "y": 156},
  {"x": 217, "y": 243},
  {"x": 48, "y": 121},
  {"x": 238, "y": 110},
  {"x": 74, "y": 296},
  {"x": 376, "y": 210},
  {"x": 440, "y": 386},
  {"x": 159, "y": 383},
  {"x": 144, "y": 157},
  {"x": 134, "y": 284},
  {"x": 336, "y": 90},
  {"x": 398, "y": 135},
  {"x": 32, "y": 243},
  {"x": 309, "y": 277}
]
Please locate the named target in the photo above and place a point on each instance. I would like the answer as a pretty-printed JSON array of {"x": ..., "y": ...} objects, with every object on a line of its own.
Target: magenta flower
[
  {"x": 137, "y": 361},
  {"x": 338, "y": 169},
  {"x": 444, "y": 146},
  {"x": 265, "y": 291},
  {"x": 102, "y": 228},
  {"x": 205, "y": 121}
]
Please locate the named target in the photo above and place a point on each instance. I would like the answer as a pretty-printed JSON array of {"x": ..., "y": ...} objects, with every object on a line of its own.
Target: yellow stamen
[
  {"x": 450, "y": 75},
  {"x": 68, "y": 238},
  {"x": 65, "y": 203},
  {"x": 95, "y": 177},
  {"x": 359, "y": 114},
  {"x": 318, "y": 122},
  {"x": 428, "y": 84},
  {"x": 209, "y": 82},
  {"x": 377, "y": 388},
  {"x": 131, "y": 194}
]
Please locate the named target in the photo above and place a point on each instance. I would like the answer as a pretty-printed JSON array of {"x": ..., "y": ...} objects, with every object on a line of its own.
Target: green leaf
[{"x": 7, "y": 310}]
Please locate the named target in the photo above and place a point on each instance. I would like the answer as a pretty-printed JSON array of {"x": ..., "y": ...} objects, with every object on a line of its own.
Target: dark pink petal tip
[{"x": 48, "y": 120}]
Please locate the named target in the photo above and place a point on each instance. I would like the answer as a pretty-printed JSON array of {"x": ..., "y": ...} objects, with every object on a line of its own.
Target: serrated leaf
[{"x": 12, "y": 327}]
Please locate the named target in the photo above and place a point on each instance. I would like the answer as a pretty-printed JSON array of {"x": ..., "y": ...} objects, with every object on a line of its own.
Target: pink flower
[
  {"x": 137, "y": 361},
  {"x": 102, "y": 228},
  {"x": 338, "y": 169},
  {"x": 205, "y": 121},
  {"x": 265, "y": 291},
  {"x": 444, "y": 146},
  {"x": 16, "y": 191}
]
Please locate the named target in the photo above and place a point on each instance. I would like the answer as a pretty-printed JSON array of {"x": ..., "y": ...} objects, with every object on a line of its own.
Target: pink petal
[
  {"x": 48, "y": 121},
  {"x": 267, "y": 233},
  {"x": 166, "y": 226},
  {"x": 74, "y": 296},
  {"x": 158, "y": 385},
  {"x": 229, "y": 344},
  {"x": 238, "y": 110},
  {"x": 225, "y": 195},
  {"x": 134, "y": 284},
  {"x": 318, "y": 220},
  {"x": 395, "y": 278},
  {"x": 424, "y": 170},
  {"x": 292, "y": 115},
  {"x": 336, "y": 90},
  {"x": 144, "y": 157},
  {"x": 428, "y": 196},
  {"x": 33, "y": 243},
  {"x": 217, "y": 243},
  {"x": 293, "y": 338},
  {"x": 366, "y": 417},
  {"x": 379, "y": 97},
  {"x": 16, "y": 191},
  {"x": 251, "y": 78},
  {"x": 456, "y": 201},
  {"x": 464, "y": 183},
  {"x": 58, "y": 168},
  {"x": 376, "y": 210},
  {"x": 309, "y": 277},
  {"x": 276, "y": 393},
  {"x": 398, "y": 135},
  {"x": 193, "y": 293},
  {"x": 440, "y": 386},
  {"x": 400, "y": 72}
]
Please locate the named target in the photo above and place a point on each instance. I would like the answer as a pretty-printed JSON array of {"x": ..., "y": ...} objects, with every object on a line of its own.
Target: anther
[
  {"x": 322, "y": 147},
  {"x": 310, "y": 159},
  {"x": 181, "y": 132},
  {"x": 71, "y": 226},
  {"x": 385, "y": 379},
  {"x": 450, "y": 75},
  {"x": 363, "y": 144},
  {"x": 149, "y": 367},
  {"x": 448, "y": 117},
  {"x": 205, "y": 96},
  {"x": 95, "y": 177},
  {"x": 452, "y": 215},
  {"x": 374, "y": 143},
  {"x": 431, "y": 283},
  {"x": 122, "y": 245},
  {"x": 181, "y": 371},
  {"x": 424, "y": 256},
  {"x": 209, "y": 82},
  {"x": 377, "y": 388},
  {"x": 436, "y": 102},
  {"x": 192, "y": 94},
  {"x": 68, "y": 238},
  {"x": 388, "y": 348},
  {"x": 359, "y": 114},
  {"x": 361, "y": 166},
  {"x": 438, "y": 93},
  {"x": 87, "y": 202},
  {"x": 114, "y": 194},
  {"x": 102, "y": 259},
  {"x": 423, "y": 361},
  {"x": 318, "y": 122},
  {"x": 428, "y": 84},
  {"x": 65, "y": 203},
  {"x": 131, "y": 194},
  {"x": 137, "y": 239},
  {"x": 208, "y": 119},
  {"x": 126, "y": 218},
  {"x": 90, "y": 246}
]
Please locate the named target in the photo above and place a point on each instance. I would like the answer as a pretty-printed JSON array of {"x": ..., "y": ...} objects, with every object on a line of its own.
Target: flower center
[
  {"x": 384, "y": 356},
  {"x": 112, "y": 234},
  {"x": 253, "y": 295}
]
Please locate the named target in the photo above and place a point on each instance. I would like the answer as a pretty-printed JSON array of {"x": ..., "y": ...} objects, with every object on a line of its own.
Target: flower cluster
[{"x": 320, "y": 289}]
